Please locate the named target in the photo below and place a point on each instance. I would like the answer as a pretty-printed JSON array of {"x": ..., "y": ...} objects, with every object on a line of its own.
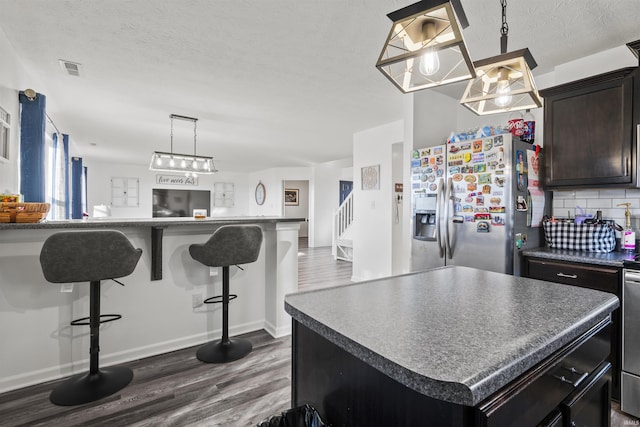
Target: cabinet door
[
  {"x": 590, "y": 405},
  {"x": 589, "y": 132}
]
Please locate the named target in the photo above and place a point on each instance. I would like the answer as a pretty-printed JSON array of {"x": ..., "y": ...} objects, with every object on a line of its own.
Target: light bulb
[
  {"x": 503, "y": 89},
  {"x": 429, "y": 63},
  {"x": 183, "y": 164},
  {"x": 172, "y": 162},
  {"x": 159, "y": 161},
  {"x": 194, "y": 165}
]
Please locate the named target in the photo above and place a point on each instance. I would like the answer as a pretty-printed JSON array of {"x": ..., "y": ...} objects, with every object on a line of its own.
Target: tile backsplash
[{"x": 607, "y": 201}]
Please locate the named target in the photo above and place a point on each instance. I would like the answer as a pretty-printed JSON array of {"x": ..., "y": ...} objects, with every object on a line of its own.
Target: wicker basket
[{"x": 23, "y": 212}]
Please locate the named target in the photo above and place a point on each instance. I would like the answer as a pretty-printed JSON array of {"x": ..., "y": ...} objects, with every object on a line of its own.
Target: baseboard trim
[{"x": 107, "y": 359}]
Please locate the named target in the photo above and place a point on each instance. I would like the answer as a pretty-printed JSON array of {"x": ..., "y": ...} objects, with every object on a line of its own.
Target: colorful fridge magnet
[
  {"x": 482, "y": 226},
  {"x": 521, "y": 204},
  {"x": 522, "y": 182}
]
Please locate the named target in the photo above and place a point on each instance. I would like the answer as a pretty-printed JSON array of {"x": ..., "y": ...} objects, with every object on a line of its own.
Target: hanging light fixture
[
  {"x": 504, "y": 82},
  {"x": 425, "y": 47},
  {"x": 191, "y": 165}
]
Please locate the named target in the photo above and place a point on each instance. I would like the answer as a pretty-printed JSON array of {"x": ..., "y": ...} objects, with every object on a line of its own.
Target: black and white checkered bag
[{"x": 582, "y": 237}]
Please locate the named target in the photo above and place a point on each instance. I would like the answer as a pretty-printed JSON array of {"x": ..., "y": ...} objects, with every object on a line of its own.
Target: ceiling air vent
[{"x": 71, "y": 68}]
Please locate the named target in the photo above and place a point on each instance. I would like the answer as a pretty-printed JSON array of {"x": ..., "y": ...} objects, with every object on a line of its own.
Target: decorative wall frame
[
  {"x": 291, "y": 196},
  {"x": 223, "y": 194},
  {"x": 124, "y": 192},
  {"x": 370, "y": 177}
]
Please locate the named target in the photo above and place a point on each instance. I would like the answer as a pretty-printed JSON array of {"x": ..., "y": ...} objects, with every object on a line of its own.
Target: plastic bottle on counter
[{"x": 628, "y": 235}]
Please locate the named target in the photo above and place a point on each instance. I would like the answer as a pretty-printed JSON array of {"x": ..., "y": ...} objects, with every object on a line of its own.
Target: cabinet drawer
[
  {"x": 590, "y": 404},
  {"x": 601, "y": 278},
  {"x": 533, "y": 396}
]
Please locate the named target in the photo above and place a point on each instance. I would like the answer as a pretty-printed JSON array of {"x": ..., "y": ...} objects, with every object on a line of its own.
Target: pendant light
[
  {"x": 191, "y": 165},
  {"x": 504, "y": 83},
  {"x": 425, "y": 47}
]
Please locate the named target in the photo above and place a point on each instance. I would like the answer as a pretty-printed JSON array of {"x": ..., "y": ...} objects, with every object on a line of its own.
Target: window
[{"x": 5, "y": 133}]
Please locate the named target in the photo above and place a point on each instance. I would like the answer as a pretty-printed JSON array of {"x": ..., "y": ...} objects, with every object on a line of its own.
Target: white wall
[
  {"x": 372, "y": 238},
  {"x": 99, "y": 174},
  {"x": 326, "y": 197},
  {"x": 324, "y": 182}
]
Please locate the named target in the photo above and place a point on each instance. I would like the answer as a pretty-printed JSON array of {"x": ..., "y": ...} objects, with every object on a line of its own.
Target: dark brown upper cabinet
[{"x": 591, "y": 131}]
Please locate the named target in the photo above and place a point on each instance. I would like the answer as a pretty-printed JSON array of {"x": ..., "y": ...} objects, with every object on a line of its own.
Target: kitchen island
[
  {"x": 452, "y": 346},
  {"x": 161, "y": 304}
]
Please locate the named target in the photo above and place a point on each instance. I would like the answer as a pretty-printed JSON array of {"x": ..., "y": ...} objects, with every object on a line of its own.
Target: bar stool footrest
[
  {"x": 86, "y": 387},
  {"x": 217, "y": 299},
  {"x": 104, "y": 318}
]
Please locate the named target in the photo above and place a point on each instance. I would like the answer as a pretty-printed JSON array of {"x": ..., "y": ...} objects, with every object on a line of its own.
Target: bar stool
[
  {"x": 228, "y": 245},
  {"x": 90, "y": 256}
]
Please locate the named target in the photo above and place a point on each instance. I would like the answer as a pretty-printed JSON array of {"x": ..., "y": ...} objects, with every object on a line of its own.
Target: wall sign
[{"x": 176, "y": 180}]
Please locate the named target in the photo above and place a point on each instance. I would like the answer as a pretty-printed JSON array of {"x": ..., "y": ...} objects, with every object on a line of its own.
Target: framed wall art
[
  {"x": 291, "y": 196},
  {"x": 370, "y": 177}
]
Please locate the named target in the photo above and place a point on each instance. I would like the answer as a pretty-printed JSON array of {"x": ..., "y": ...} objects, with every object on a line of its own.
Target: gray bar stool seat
[
  {"x": 228, "y": 245},
  {"x": 89, "y": 256}
]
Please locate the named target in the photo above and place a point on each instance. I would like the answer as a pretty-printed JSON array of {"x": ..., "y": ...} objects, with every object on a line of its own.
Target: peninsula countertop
[
  {"x": 146, "y": 222},
  {"x": 453, "y": 333}
]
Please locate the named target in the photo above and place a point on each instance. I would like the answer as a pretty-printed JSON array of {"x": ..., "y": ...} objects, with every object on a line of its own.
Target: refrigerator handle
[
  {"x": 447, "y": 201},
  {"x": 440, "y": 213}
]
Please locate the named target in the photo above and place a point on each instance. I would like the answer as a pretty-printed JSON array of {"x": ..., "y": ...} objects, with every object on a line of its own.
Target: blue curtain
[
  {"x": 77, "y": 178},
  {"x": 67, "y": 196},
  {"x": 60, "y": 203},
  {"x": 32, "y": 147},
  {"x": 85, "y": 208}
]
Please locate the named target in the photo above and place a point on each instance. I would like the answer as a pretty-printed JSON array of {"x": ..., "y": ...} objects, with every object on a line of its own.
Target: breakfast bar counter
[
  {"x": 462, "y": 345},
  {"x": 161, "y": 303}
]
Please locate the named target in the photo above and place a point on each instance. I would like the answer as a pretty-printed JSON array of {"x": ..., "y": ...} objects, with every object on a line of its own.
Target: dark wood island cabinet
[{"x": 453, "y": 346}]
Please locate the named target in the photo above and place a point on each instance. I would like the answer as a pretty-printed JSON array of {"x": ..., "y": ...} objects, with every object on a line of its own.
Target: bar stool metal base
[
  {"x": 84, "y": 388},
  {"x": 224, "y": 351}
]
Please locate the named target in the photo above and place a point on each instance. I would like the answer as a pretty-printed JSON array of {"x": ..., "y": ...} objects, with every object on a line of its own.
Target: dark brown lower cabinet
[
  {"x": 590, "y": 276},
  {"x": 572, "y": 384},
  {"x": 587, "y": 406}
]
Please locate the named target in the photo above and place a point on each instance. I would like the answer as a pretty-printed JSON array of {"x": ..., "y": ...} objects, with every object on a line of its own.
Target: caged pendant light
[
  {"x": 191, "y": 165},
  {"x": 504, "y": 83},
  {"x": 425, "y": 47}
]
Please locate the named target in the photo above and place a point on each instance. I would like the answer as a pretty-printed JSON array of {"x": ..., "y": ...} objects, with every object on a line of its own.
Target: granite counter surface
[
  {"x": 454, "y": 333},
  {"x": 146, "y": 222},
  {"x": 613, "y": 259}
]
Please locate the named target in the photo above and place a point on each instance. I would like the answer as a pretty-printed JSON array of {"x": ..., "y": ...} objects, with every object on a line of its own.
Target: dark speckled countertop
[
  {"x": 454, "y": 333},
  {"x": 614, "y": 259},
  {"x": 145, "y": 222}
]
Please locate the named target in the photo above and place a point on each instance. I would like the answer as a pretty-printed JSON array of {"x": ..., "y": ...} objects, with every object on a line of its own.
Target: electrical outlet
[{"x": 196, "y": 300}]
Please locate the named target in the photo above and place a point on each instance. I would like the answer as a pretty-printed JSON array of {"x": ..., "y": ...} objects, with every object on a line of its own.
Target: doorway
[
  {"x": 345, "y": 189},
  {"x": 296, "y": 203}
]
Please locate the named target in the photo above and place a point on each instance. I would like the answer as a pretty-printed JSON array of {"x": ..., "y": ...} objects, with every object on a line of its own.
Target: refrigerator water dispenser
[{"x": 425, "y": 218}]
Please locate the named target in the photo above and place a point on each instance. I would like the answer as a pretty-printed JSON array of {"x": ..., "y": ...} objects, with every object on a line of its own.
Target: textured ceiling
[{"x": 273, "y": 83}]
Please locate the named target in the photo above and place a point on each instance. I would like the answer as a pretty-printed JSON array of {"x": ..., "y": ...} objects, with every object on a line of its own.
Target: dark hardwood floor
[{"x": 175, "y": 389}]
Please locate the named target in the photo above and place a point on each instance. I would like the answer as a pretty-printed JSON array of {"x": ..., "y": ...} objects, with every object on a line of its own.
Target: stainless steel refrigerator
[{"x": 471, "y": 204}]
